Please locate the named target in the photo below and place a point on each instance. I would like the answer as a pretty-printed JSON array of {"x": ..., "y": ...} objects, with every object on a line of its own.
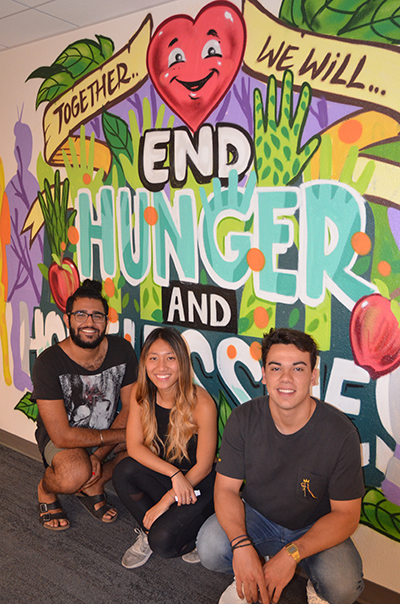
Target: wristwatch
[{"x": 293, "y": 551}]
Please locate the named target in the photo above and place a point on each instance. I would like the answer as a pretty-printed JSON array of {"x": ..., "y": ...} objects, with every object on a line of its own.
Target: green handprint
[
  {"x": 80, "y": 170},
  {"x": 227, "y": 202},
  {"x": 131, "y": 166},
  {"x": 278, "y": 156}
]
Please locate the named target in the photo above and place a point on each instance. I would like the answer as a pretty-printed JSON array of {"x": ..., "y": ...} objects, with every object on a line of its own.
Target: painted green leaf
[
  {"x": 46, "y": 72},
  {"x": 380, "y": 514},
  {"x": 118, "y": 137},
  {"x": 27, "y": 406},
  {"x": 54, "y": 87},
  {"x": 125, "y": 300},
  {"x": 136, "y": 305},
  {"x": 44, "y": 270},
  {"x": 361, "y": 265},
  {"x": 145, "y": 297},
  {"x": 83, "y": 56},
  {"x": 224, "y": 411},
  {"x": 370, "y": 21},
  {"x": 77, "y": 60},
  {"x": 294, "y": 317},
  {"x": 157, "y": 315}
]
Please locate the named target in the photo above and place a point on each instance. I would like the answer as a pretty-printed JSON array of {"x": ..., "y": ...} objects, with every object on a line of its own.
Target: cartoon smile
[{"x": 197, "y": 85}]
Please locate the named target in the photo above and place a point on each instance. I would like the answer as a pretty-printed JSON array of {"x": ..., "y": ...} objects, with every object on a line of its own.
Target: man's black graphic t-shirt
[{"x": 90, "y": 397}]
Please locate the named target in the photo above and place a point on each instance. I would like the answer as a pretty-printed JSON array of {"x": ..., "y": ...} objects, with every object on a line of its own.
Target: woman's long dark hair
[{"x": 181, "y": 425}]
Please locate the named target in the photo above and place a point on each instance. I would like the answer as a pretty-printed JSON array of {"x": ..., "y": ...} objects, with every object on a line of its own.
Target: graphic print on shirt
[
  {"x": 305, "y": 485},
  {"x": 91, "y": 400}
]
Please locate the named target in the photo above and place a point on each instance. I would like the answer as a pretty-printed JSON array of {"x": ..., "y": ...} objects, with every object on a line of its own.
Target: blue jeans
[{"x": 336, "y": 573}]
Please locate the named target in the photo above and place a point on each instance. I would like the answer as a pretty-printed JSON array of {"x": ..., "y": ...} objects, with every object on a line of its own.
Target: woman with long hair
[{"x": 167, "y": 481}]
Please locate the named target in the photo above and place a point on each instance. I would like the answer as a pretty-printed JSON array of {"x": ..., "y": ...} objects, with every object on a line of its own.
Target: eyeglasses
[{"x": 81, "y": 316}]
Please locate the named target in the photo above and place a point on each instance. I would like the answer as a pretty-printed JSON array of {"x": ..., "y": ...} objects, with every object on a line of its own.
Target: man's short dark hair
[
  {"x": 89, "y": 289},
  {"x": 301, "y": 340}
]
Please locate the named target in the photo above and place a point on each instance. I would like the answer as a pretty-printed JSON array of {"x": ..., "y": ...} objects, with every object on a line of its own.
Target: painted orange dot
[
  {"x": 63, "y": 246},
  {"x": 361, "y": 243},
  {"x": 128, "y": 337},
  {"x": 255, "y": 259},
  {"x": 73, "y": 235},
  {"x": 350, "y": 131},
  {"x": 231, "y": 352},
  {"x": 151, "y": 216},
  {"x": 384, "y": 268},
  {"x": 87, "y": 179},
  {"x": 112, "y": 315},
  {"x": 255, "y": 351},
  {"x": 109, "y": 287},
  {"x": 261, "y": 317}
]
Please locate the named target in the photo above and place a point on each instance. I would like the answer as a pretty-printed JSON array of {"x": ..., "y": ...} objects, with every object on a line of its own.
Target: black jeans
[{"x": 174, "y": 532}]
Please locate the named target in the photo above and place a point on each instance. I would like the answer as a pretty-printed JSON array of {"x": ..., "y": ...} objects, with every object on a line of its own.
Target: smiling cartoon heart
[{"x": 192, "y": 63}]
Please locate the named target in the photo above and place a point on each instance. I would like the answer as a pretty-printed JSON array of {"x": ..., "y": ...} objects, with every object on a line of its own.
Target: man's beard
[{"x": 76, "y": 338}]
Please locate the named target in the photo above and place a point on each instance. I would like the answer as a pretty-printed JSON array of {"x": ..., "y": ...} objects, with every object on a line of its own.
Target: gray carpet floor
[{"x": 82, "y": 565}]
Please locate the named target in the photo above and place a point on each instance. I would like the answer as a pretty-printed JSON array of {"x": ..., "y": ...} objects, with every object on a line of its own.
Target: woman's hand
[
  {"x": 183, "y": 489},
  {"x": 157, "y": 510}
]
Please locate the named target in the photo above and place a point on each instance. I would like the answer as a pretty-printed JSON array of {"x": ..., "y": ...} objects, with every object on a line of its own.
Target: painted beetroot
[{"x": 375, "y": 335}]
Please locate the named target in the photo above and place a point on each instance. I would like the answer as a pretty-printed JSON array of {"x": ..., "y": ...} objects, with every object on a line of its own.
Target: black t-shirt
[
  {"x": 90, "y": 397},
  {"x": 290, "y": 479}
]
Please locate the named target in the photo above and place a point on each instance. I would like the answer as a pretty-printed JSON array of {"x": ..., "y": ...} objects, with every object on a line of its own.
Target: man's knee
[
  {"x": 213, "y": 546},
  {"x": 337, "y": 573},
  {"x": 72, "y": 469}
]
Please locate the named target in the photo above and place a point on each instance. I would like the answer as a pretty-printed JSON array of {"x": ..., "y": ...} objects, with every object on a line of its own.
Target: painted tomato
[
  {"x": 63, "y": 281},
  {"x": 192, "y": 63},
  {"x": 375, "y": 335}
]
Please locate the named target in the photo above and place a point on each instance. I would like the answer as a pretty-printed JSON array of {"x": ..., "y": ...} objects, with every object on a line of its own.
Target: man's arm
[
  {"x": 64, "y": 436},
  {"x": 118, "y": 423},
  {"x": 328, "y": 531},
  {"x": 246, "y": 563}
]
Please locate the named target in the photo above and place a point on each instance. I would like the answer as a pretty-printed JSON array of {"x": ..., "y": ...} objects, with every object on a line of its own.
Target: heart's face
[{"x": 193, "y": 63}]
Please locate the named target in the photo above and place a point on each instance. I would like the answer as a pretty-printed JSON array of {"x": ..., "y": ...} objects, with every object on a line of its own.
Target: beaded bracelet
[{"x": 171, "y": 477}]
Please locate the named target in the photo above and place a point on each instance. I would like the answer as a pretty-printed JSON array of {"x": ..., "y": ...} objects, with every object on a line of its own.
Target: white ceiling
[{"x": 23, "y": 21}]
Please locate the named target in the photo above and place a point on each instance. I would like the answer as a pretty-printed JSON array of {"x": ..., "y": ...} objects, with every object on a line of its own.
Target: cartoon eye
[
  {"x": 176, "y": 56},
  {"x": 211, "y": 48}
]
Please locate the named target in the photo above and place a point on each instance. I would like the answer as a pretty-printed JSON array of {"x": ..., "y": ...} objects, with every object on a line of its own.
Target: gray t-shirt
[{"x": 290, "y": 479}]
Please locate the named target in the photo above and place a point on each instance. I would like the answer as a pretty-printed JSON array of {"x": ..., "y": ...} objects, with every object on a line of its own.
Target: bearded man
[{"x": 78, "y": 384}]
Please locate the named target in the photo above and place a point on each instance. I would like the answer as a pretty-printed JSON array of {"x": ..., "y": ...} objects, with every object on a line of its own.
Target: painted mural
[{"x": 225, "y": 173}]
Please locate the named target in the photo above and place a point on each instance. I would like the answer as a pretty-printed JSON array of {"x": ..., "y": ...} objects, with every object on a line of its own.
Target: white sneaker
[
  {"x": 312, "y": 596},
  {"x": 191, "y": 557},
  {"x": 230, "y": 595},
  {"x": 139, "y": 552}
]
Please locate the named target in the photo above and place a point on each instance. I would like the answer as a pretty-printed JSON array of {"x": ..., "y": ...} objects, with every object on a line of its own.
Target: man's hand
[
  {"x": 278, "y": 571},
  {"x": 96, "y": 471},
  {"x": 248, "y": 571}
]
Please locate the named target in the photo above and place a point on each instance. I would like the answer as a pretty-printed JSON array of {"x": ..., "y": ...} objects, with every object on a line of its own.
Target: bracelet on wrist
[
  {"x": 177, "y": 472},
  {"x": 101, "y": 439},
  {"x": 234, "y": 539},
  {"x": 245, "y": 542}
]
